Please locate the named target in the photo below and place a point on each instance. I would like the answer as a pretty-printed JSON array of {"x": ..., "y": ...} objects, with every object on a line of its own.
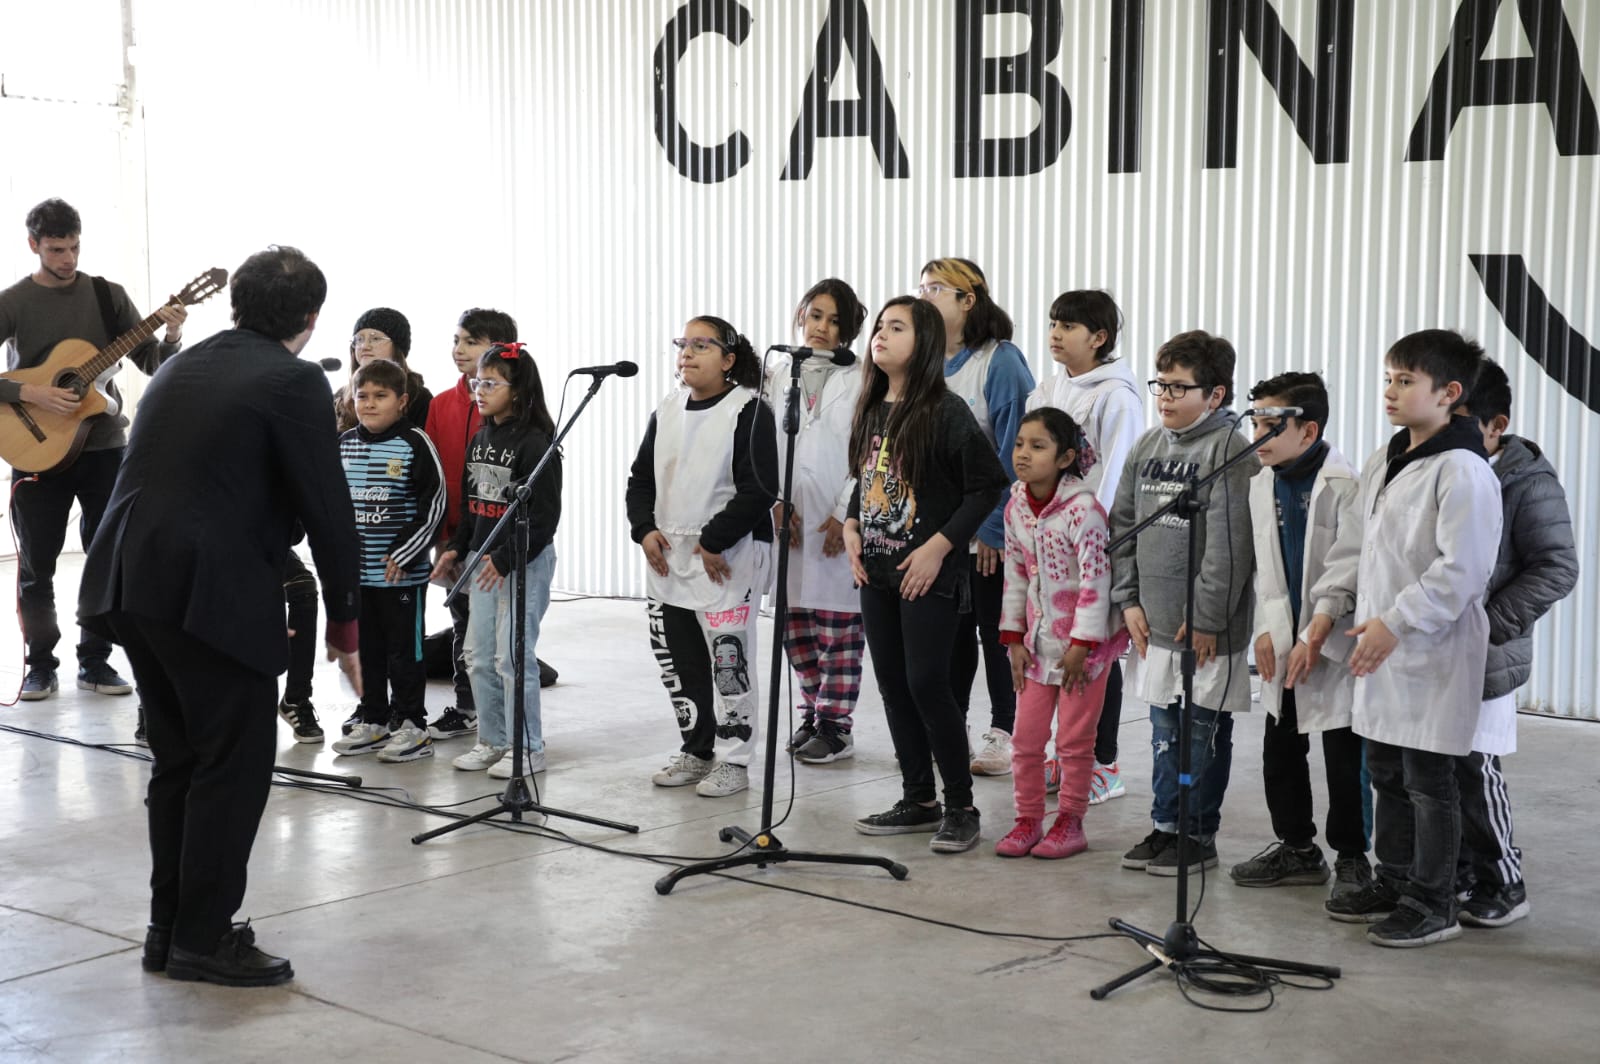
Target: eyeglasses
[
  {"x": 1176, "y": 389},
  {"x": 486, "y": 384},
  {"x": 369, "y": 339},
  {"x": 700, "y": 345},
  {"x": 931, "y": 291}
]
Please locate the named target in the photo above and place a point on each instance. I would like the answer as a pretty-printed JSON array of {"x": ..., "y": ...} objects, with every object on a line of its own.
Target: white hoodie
[{"x": 1105, "y": 403}]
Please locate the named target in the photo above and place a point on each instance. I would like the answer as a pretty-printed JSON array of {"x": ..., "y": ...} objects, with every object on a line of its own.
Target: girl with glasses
[{"x": 383, "y": 333}]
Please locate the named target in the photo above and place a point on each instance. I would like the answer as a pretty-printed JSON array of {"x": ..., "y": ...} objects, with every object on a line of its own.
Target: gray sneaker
[
  {"x": 958, "y": 832},
  {"x": 1282, "y": 865},
  {"x": 1351, "y": 874},
  {"x": 826, "y": 746}
]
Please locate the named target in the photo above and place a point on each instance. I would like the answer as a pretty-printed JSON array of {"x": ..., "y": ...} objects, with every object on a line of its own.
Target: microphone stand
[
  {"x": 517, "y": 798},
  {"x": 763, "y": 848},
  {"x": 1180, "y": 945}
]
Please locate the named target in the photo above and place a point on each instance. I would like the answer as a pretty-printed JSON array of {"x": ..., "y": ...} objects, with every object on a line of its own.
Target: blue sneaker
[{"x": 1105, "y": 784}]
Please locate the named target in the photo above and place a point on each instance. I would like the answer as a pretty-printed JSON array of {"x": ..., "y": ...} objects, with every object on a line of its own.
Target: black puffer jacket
[{"x": 1537, "y": 565}]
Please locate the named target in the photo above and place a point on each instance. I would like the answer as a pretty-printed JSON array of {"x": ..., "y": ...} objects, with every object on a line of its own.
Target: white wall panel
[{"x": 439, "y": 155}]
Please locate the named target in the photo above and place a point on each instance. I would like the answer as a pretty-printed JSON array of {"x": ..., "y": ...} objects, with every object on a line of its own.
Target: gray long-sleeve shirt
[{"x": 33, "y": 319}]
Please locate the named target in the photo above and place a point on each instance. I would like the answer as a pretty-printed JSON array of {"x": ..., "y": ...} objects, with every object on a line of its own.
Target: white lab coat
[
  {"x": 1323, "y": 699},
  {"x": 823, "y": 485},
  {"x": 1420, "y": 560}
]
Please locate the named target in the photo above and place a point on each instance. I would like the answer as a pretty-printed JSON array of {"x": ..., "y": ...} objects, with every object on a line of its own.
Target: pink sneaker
[
  {"x": 1065, "y": 839},
  {"x": 1021, "y": 840}
]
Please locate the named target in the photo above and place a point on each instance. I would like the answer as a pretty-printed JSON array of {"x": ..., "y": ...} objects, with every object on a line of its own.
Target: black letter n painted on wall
[
  {"x": 1319, "y": 105},
  {"x": 871, "y": 114},
  {"x": 1553, "y": 76},
  {"x": 697, "y": 162},
  {"x": 977, "y": 77}
]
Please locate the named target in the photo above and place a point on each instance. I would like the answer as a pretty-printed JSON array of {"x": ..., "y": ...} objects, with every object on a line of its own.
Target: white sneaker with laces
[
  {"x": 409, "y": 743},
  {"x": 531, "y": 763},
  {"x": 480, "y": 757},
  {"x": 994, "y": 754},
  {"x": 723, "y": 780},
  {"x": 363, "y": 739},
  {"x": 683, "y": 770}
]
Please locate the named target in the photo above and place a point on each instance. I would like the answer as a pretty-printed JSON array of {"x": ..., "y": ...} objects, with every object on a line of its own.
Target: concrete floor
[{"x": 487, "y": 945}]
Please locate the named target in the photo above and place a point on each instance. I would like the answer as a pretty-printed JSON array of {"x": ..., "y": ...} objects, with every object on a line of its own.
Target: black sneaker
[
  {"x": 102, "y": 679},
  {"x": 302, "y": 717},
  {"x": 958, "y": 832},
  {"x": 453, "y": 723},
  {"x": 1350, "y": 874},
  {"x": 905, "y": 818},
  {"x": 1282, "y": 865},
  {"x": 350, "y": 721},
  {"x": 1491, "y": 906},
  {"x": 39, "y": 684},
  {"x": 157, "y": 944},
  {"x": 826, "y": 746},
  {"x": 1147, "y": 850},
  {"x": 1412, "y": 924},
  {"x": 1200, "y": 854},
  {"x": 235, "y": 962},
  {"x": 548, "y": 674},
  {"x": 1369, "y": 905},
  {"x": 141, "y": 738},
  {"x": 802, "y": 735}
]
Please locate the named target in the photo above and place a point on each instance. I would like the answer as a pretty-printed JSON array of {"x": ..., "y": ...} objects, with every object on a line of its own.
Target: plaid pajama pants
[{"x": 825, "y": 648}]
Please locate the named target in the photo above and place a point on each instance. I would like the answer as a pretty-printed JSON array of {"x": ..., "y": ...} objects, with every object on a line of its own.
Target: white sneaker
[
  {"x": 480, "y": 757},
  {"x": 723, "y": 780},
  {"x": 683, "y": 770},
  {"x": 531, "y": 763},
  {"x": 410, "y": 743},
  {"x": 363, "y": 739},
  {"x": 994, "y": 754}
]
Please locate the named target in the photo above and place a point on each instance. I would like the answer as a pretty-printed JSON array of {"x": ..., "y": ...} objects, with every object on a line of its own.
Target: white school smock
[
  {"x": 694, "y": 482},
  {"x": 1424, "y": 569},
  {"x": 1323, "y": 699},
  {"x": 823, "y": 484}
]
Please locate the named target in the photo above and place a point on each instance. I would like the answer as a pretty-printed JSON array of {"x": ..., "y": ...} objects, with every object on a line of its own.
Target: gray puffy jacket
[{"x": 1536, "y": 567}]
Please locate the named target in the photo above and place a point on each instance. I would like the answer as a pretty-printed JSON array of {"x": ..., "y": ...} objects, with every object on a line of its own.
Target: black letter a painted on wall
[
  {"x": 1553, "y": 76},
  {"x": 977, "y": 77},
  {"x": 871, "y": 114}
]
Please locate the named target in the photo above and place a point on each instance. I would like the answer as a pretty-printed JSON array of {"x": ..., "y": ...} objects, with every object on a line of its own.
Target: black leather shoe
[
  {"x": 235, "y": 962},
  {"x": 157, "y": 944}
]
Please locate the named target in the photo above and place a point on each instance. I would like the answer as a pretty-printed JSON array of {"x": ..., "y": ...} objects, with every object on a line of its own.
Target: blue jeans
[
  {"x": 491, "y": 626},
  {"x": 1210, "y": 761}
]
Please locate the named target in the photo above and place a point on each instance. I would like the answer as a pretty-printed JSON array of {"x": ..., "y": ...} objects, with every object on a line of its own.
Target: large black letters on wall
[
  {"x": 1319, "y": 105},
  {"x": 697, "y": 162},
  {"x": 1553, "y": 76},
  {"x": 870, "y": 115},
  {"x": 1127, "y": 87},
  {"x": 977, "y": 76},
  {"x": 1561, "y": 351}
]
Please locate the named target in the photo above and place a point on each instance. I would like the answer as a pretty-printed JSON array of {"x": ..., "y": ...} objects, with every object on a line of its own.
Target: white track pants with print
[{"x": 708, "y": 666}]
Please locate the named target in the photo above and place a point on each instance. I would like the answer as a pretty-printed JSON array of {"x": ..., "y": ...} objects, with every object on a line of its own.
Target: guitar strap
[{"x": 108, "y": 313}]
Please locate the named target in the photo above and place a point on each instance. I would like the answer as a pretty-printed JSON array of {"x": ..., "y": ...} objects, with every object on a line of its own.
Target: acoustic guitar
[{"x": 36, "y": 440}]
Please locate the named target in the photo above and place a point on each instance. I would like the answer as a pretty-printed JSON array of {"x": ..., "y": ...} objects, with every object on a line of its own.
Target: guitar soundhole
[{"x": 71, "y": 380}]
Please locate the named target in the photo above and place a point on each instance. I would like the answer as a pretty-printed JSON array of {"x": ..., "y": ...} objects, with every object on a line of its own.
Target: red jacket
[{"x": 452, "y": 422}]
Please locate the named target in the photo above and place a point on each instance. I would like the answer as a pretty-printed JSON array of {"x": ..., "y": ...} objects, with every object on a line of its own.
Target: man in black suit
[{"x": 233, "y": 453}]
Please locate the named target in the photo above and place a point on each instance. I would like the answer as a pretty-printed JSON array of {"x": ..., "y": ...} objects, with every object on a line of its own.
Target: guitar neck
[{"x": 119, "y": 348}]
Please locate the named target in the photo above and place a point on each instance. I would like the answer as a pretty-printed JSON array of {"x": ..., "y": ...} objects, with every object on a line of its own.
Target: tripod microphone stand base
[
  {"x": 517, "y": 800},
  {"x": 1181, "y": 944},
  {"x": 764, "y": 849}
]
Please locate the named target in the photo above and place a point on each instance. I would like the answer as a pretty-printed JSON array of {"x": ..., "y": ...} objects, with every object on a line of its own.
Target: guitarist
[{"x": 52, "y": 304}]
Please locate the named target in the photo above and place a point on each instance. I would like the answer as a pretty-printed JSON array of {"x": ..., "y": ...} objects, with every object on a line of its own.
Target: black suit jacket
[{"x": 233, "y": 446}]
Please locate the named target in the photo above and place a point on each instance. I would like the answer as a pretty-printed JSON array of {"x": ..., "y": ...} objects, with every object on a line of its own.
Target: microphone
[
  {"x": 1275, "y": 411},
  {"x": 618, "y": 369},
  {"x": 841, "y": 357},
  {"x": 332, "y": 365}
]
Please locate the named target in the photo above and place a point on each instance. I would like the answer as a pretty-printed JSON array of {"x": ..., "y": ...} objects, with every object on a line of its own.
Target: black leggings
[
  {"x": 910, "y": 646},
  {"x": 985, "y": 618},
  {"x": 1105, "y": 736}
]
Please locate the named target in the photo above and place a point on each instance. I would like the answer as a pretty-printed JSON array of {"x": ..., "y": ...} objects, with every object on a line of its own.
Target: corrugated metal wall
[{"x": 438, "y": 155}]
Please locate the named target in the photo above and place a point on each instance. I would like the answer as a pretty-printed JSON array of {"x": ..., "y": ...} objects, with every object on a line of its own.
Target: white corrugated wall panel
[{"x": 439, "y": 155}]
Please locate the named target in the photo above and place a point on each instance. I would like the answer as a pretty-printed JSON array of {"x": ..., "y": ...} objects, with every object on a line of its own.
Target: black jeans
[
  {"x": 213, "y": 733},
  {"x": 39, "y": 513},
  {"x": 1418, "y": 822},
  {"x": 1105, "y": 734},
  {"x": 1286, "y": 772},
  {"x": 300, "y": 594},
  {"x": 985, "y": 618},
  {"x": 391, "y": 655},
  {"x": 460, "y": 610},
  {"x": 910, "y": 647}
]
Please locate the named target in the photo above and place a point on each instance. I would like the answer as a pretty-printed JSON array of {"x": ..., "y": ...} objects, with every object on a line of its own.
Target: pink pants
[{"x": 1077, "y": 713}]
